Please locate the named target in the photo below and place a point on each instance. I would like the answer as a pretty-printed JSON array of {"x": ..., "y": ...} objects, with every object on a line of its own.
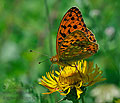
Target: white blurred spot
[
  {"x": 105, "y": 93},
  {"x": 39, "y": 80},
  {"x": 9, "y": 52},
  {"x": 94, "y": 12},
  {"x": 109, "y": 31}
]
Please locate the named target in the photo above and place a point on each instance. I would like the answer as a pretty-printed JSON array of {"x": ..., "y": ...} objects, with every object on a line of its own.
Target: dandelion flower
[{"x": 72, "y": 80}]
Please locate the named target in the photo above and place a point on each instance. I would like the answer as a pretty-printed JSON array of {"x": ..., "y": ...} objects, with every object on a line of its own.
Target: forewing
[
  {"x": 71, "y": 22},
  {"x": 76, "y": 46}
]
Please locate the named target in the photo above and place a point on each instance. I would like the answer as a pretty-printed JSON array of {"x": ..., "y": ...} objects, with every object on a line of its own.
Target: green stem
[
  {"x": 76, "y": 101},
  {"x": 49, "y": 24},
  {"x": 83, "y": 100}
]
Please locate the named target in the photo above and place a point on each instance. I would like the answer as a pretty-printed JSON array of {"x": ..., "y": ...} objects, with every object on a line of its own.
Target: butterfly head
[{"x": 54, "y": 59}]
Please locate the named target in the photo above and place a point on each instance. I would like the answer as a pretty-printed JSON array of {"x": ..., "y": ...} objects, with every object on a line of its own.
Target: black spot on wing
[
  {"x": 80, "y": 16},
  {"x": 79, "y": 12},
  {"x": 75, "y": 43},
  {"x": 77, "y": 19},
  {"x": 75, "y": 26},
  {"x": 75, "y": 36},
  {"x": 82, "y": 29},
  {"x": 72, "y": 18},
  {"x": 63, "y": 34},
  {"x": 87, "y": 35},
  {"x": 71, "y": 43},
  {"x": 66, "y": 41},
  {"x": 82, "y": 46},
  {"x": 82, "y": 20},
  {"x": 90, "y": 38},
  {"x": 72, "y": 40},
  {"x": 69, "y": 25},
  {"x": 86, "y": 30},
  {"x": 94, "y": 40},
  {"x": 89, "y": 49},
  {"x": 60, "y": 38},
  {"x": 65, "y": 19},
  {"x": 91, "y": 34},
  {"x": 94, "y": 51},
  {"x": 76, "y": 9},
  {"x": 84, "y": 25},
  {"x": 70, "y": 15},
  {"x": 59, "y": 42},
  {"x": 69, "y": 31},
  {"x": 63, "y": 26},
  {"x": 64, "y": 45},
  {"x": 62, "y": 48},
  {"x": 77, "y": 40}
]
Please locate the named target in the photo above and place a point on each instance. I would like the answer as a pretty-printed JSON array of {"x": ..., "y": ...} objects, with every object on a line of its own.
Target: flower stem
[
  {"x": 49, "y": 24},
  {"x": 83, "y": 100},
  {"x": 76, "y": 101}
]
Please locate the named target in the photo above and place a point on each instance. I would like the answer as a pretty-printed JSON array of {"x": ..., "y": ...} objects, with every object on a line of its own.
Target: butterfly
[{"x": 74, "y": 40}]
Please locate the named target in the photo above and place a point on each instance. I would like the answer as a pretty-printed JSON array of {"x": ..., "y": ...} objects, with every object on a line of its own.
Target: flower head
[{"x": 72, "y": 78}]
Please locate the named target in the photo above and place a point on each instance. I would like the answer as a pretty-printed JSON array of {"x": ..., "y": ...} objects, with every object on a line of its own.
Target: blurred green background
[{"x": 33, "y": 24}]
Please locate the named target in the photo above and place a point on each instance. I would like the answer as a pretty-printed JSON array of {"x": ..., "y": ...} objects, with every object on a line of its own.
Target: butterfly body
[{"x": 74, "y": 40}]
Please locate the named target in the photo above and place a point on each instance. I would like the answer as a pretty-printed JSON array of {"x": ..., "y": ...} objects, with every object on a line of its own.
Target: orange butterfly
[{"x": 74, "y": 40}]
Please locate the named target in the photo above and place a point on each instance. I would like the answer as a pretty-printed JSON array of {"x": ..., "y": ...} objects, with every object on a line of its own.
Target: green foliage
[{"x": 24, "y": 25}]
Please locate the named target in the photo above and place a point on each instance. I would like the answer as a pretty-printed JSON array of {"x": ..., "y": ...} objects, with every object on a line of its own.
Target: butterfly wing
[
  {"x": 71, "y": 22},
  {"x": 76, "y": 46}
]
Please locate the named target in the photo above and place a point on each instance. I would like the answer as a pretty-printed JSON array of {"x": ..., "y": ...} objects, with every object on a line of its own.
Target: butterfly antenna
[
  {"x": 43, "y": 61},
  {"x": 40, "y": 53}
]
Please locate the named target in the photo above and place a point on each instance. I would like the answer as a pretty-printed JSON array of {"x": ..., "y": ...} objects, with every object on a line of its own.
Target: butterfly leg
[
  {"x": 69, "y": 64},
  {"x": 51, "y": 66},
  {"x": 78, "y": 70}
]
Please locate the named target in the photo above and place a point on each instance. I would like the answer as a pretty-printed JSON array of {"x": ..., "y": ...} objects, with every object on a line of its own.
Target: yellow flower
[{"x": 72, "y": 78}]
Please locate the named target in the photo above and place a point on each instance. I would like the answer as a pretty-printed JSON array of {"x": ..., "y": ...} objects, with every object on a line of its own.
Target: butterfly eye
[{"x": 55, "y": 59}]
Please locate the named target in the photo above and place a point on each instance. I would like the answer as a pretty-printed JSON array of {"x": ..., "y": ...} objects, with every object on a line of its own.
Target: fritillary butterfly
[{"x": 74, "y": 40}]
